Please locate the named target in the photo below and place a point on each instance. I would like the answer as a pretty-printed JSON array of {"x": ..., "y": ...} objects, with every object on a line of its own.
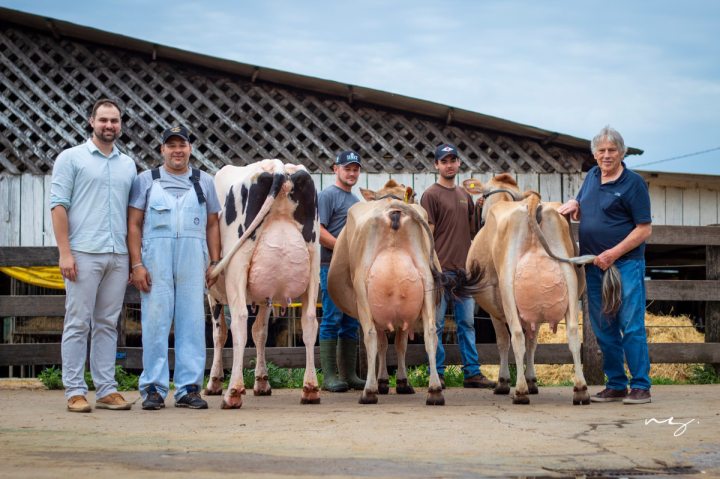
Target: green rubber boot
[
  {"x": 347, "y": 362},
  {"x": 328, "y": 363}
]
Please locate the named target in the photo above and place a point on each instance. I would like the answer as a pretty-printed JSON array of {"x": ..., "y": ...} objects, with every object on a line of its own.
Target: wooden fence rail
[{"x": 707, "y": 290}]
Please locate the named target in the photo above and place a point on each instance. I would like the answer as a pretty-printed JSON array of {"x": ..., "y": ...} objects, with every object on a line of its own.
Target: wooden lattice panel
[{"x": 49, "y": 85}]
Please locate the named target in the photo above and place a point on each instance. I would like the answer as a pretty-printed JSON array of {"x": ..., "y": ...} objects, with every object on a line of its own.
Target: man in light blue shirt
[{"x": 88, "y": 200}]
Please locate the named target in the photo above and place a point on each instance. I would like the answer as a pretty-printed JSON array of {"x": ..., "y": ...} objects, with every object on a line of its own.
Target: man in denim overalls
[{"x": 174, "y": 242}]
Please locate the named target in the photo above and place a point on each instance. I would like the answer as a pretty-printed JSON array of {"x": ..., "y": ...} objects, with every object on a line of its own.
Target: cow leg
[
  {"x": 580, "y": 392},
  {"x": 236, "y": 283},
  {"x": 259, "y": 334},
  {"x": 383, "y": 378},
  {"x": 311, "y": 390},
  {"x": 503, "y": 344},
  {"x": 530, "y": 375},
  {"x": 517, "y": 337},
  {"x": 435, "y": 395},
  {"x": 369, "y": 394},
  {"x": 402, "y": 385},
  {"x": 219, "y": 328}
]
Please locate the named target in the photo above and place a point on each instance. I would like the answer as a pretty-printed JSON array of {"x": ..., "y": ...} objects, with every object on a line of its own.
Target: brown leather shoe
[
  {"x": 113, "y": 401},
  {"x": 479, "y": 381},
  {"x": 637, "y": 396},
  {"x": 609, "y": 395},
  {"x": 78, "y": 404}
]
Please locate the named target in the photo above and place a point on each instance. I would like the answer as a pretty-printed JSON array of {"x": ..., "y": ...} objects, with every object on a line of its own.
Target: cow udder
[
  {"x": 280, "y": 265},
  {"x": 395, "y": 290},
  {"x": 540, "y": 289}
]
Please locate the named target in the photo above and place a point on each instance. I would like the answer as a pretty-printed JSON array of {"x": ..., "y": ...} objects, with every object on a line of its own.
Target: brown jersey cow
[{"x": 523, "y": 286}]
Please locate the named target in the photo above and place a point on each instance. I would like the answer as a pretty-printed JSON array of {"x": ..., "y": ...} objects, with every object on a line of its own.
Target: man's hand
[
  {"x": 141, "y": 279},
  {"x": 68, "y": 268},
  {"x": 208, "y": 280},
  {"x": 605, "y": 259},
  {"x": 572, "y": 208}
]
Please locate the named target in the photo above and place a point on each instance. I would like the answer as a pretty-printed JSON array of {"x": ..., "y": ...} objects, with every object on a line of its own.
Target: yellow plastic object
[{"x": 44, "y": 276}]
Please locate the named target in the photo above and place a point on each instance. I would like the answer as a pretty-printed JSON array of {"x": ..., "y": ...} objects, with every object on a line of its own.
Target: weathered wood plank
[
  {"x": 657, "y": 201},
  {"x": 35, "y": 305},
  {"x": 550, "y": 187},
  {"x": 131, "y": 357},
  {"x": 673, "y": 206},
  {"x": 709, "y": 208},
  {"x": 10, "y": 211},
  {"x": 31, "y": 215},
  {"x": 683, "y": 290},
  {"x": 691, "y": 207},
  {"x": 528, "y": 181},
  {"x": 48, "y": 233},
  {"x": 712, "y": 308}
]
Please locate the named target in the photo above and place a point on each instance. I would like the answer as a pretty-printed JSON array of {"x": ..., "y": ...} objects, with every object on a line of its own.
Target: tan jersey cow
[
  {"x": 523, "y": 286},
  {"x": 384, "y": 272},
  {"x": 269, "y": 232}
]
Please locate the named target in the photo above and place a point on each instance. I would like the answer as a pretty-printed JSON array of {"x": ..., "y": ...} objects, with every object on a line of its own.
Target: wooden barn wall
[{"x": 25, "y": 218}]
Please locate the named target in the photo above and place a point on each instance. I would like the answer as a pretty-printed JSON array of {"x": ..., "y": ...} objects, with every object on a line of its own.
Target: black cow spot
[
  {"x": 304, "y": 194},
  {"x": 230, "y": 210}
]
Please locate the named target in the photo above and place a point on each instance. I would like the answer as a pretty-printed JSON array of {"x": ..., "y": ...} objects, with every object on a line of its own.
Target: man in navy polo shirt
[{"x": 613, "y": 207}]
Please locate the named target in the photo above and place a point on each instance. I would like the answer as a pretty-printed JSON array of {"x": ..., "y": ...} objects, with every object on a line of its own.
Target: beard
[
  {"x": 106, "y": 136},
  {"x": 449, "y": 176}
]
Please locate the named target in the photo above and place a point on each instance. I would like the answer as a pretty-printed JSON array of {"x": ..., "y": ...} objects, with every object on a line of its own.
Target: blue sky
[{"x": 651, "y": 69}]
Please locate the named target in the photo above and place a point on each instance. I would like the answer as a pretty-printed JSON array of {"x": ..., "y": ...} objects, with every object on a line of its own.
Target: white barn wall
[{"x": 25, "y": 218}]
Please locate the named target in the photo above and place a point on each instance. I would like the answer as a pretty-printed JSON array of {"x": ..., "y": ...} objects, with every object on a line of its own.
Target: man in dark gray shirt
[{"x": 338, "y": 331}]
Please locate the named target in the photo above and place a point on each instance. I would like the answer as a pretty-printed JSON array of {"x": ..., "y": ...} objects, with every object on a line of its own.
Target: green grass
[{"x": 282, "y": 378}]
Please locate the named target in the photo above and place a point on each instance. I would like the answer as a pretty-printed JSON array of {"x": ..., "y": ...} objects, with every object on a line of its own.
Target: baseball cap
[
  {"x": 347, "y": 157},
  {"x": 180, "y": 131},
  {"x": 444, "y": 150}
]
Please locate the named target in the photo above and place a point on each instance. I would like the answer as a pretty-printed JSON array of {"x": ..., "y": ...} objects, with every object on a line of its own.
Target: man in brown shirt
[{"x": 450, "y": 214}]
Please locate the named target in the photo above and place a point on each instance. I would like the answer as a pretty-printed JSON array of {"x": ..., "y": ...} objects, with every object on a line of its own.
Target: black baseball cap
[
  {"x": 179, "y": 131},
  {"x": 445, "y": 149},
  {"x": 347, "y": 157}
]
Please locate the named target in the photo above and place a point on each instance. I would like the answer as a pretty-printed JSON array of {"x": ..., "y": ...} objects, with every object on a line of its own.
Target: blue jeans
[
  {"x": 464, "y": 319},
  {"x": 621, "y": 337},
  {"x": 335, "y": 324}
]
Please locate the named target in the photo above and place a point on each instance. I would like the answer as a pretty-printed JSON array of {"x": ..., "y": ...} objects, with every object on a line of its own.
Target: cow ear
[
  {"x": 473, "y": 186},
  {"x": 409, "y": 195},
  {"x": 369, "y": 195}
]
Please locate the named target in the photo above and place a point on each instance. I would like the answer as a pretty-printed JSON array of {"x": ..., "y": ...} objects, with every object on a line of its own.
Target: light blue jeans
[
  {"x": 92, "y": 306},
  {"x": 335, "y": 324},
  {"x": 621, "y": 337},
  {"x": 174, "y": 251},
  {"x": 464, "y": 308}
]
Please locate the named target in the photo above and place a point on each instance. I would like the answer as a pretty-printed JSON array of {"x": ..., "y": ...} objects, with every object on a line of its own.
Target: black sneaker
[
  {"x": 153, "y": 401},
  {"x": 192, "y": 399},
  {"x": 609, "y": 395}
]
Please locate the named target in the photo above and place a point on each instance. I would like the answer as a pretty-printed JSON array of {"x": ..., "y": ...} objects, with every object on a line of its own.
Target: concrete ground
[{"x": 477, "y": 434}]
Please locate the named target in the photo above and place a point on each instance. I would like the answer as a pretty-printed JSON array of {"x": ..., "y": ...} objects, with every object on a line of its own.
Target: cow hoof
[
  {"x": 383, "y": 386},
  {"x": 368, "y": 397},
  {"x": 435, "y": 398},
  {"x": 310, "y": 395},
  {"x": 532, "y": 386},
  {"x": 231, "y": 405},
  {"x": 262, "y": 386},
  {"x": 503, "y": 386},
  {"x": 403, "y": 387},
  {"x": 581, "y": 396},
  {"x": 214, "y": 387},
  {"x": 520, "y": 399}
]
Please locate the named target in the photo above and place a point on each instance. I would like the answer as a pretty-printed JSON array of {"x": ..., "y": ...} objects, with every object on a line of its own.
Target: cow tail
[
  {"x": 611, "y": 291},
  {"x": 278, "y": 180}
]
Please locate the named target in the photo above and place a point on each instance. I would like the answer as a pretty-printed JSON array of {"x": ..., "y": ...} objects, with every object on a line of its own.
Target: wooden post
[
  {"x": 591, "y": 354},
  {"x": 712, "y": 308}
]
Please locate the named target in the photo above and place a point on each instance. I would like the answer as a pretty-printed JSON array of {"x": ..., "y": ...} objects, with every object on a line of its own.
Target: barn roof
[{"x": 55, "y": 70}]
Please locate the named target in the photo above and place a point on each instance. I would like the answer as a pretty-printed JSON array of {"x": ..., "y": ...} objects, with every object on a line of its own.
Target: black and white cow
[{"x": 269, "y": 232}]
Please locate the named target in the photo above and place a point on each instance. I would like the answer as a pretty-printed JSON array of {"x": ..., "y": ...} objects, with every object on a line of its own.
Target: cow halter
[{"x": 514, "y": 194}]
